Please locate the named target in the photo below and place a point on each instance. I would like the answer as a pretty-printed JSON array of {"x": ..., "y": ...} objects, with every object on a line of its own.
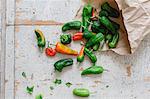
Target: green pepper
[
  {"x": 59, "y": 65},
  {"x": 65, "y": 39},
  {"x": 116, "y": 25},
  {"x": 98, "y": 28},
  {"x": 87, "y": 34},
  {"x": 86, "y": 15},
  {"x": 103, "y": 13},
  {"x": 74, "y": 25},
  {"x": 96, "y": 46},
  {"x": 95, "y": 39},
  {"x": 114, "y": 41},
  {"x": 40, "y": 38},
  {"x": 111, "y": 11},
  {"x": 108, "y": 37},
  {"x": 91, "y": 55},
  {"x": 93, "y": 70},
  {"x": 82, "y": 92},
  {"x": 108, "y": 24}
]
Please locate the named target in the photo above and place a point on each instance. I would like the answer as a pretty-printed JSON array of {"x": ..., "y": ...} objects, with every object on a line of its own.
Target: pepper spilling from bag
[
  {"x": 80, "y": 57},
  {"x": 40, "y": 38},
  {"x": 78, "y": 36},
  {"x": 93, "y": 70},
  {"x": 74, "y": 25},
  {"x": 95, "y": 39},
  {"x": 61, "y": 48},
  {"x": 91, "y": 55},
  {"x": 112, "y": 12},
  {"x": 59, "y": 65},
  {"x": 114, "y": 41}
]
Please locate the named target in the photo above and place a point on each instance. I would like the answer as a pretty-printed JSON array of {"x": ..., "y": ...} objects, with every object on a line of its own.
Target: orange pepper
[{"x": 61, "y": 48}]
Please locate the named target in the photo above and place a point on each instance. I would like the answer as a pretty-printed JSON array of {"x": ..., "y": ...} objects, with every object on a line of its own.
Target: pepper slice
[
  {"x": 74, "y": 25},
  {"x": 93, "y": 70},
  {"x": 65, "y": 39},
  {"x": 59, "y": 65},
  {"x": 61, "y": 48},
  {"x": 91, "y": 55},
  {"x": 40, "y": 38},
  {"x": 80, "y": 57},
  {"x": 78, "y": 36}
]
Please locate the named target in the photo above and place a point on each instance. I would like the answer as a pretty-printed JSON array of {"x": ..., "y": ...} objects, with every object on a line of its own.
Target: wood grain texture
[{"x": 128, "y": 76}]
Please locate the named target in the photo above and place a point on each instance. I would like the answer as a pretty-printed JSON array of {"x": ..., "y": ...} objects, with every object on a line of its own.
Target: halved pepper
[
  {"x": 61, "y": 48},
  {"x": 40, "y": 38},
  {"x": 74, "y": 25},
  {"x": 80, "y": 57},
  {"x": 91, "y": 55},
  {"x": 59, "y": 65}
]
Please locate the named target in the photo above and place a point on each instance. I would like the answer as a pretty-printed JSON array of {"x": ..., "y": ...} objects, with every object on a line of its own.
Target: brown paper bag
[{"x": 132, "y": 29}]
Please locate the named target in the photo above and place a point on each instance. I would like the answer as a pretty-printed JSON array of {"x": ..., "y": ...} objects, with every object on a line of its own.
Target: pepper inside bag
[{"x": 123, "y": 46}]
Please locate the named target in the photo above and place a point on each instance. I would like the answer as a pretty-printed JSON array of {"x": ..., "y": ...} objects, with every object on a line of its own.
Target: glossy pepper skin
[
  {"x": 86, "y": 15},
  {"x": 93, "y": 70},
  {"x": 96, "y": 47},
  {"x": 59, "y": 65},
  {"x": 80, "y": 57},
  {"x": 108, "y": 24},
  {"x": 78, "y": 36},
  {"x": 87, "y": 34},
  {"x": 50, "y": 51},
  {"x": 96, "y": 27},
  {"x": 114, "y": 41},
  {"x": 103, "y": 13},
  {"x": 81, "y": 92},
  {"x": 95, "y": 39},
  {"x": 40, "y": 38},
  {"x": 111, "y": 11},
  {"x": 74, "y": 25},
  {"x": 108, "y": 37},
  {"x": 91, "y": 55},
  {"x": 65, "y": 39},
  {"x": 61, "y": 48},
  {"x": 116, "y": 25}
]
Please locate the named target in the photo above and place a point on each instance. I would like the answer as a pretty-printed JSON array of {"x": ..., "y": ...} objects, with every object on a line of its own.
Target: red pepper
[
  {"x": 50, "y": 51},
  {"x": 78, "y": 36},
  {"x": 93, "y": 14}
]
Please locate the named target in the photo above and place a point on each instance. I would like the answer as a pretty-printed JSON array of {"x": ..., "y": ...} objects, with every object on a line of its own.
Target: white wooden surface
[{"x": 128, "y": 76}]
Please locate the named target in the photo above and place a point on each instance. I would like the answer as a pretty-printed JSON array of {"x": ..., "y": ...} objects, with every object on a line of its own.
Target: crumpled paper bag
[{"x": 134, "y": 22}]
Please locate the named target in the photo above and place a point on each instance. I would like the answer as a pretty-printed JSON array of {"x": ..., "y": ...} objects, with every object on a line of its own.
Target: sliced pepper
[{"x": 61, "y": 48}]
